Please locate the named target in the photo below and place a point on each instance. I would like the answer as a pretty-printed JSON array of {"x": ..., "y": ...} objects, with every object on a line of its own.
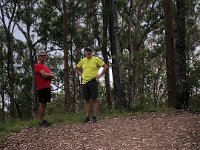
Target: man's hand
[
  {"x": 46, "y": 75},
  {"x": 98, "y": 76},
  {"x": 105, "y": 68},
  {"x": 78, "y": 71},
  {"x": 49, "y": 76}
]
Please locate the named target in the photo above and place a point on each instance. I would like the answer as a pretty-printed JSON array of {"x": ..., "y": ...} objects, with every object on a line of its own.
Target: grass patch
[
  {"x": 16, "y": 125},
  {"x": 79, "y": 117},
  {"x": 153, "y": 109},
  {"x": 65, "y": 118},
  {"x": 10, "y": 126},
  {"x": 59, "y": 118},
  {"x": 112, "y": 113}
]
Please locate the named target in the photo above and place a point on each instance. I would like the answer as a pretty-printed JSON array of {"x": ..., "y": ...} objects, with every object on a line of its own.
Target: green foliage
[
  {"x": 57, "y": 104},
  {"x": 15, "y": 126},
  {"x": 25, "y": 102},
  {"x": 195, "y": 75},
  {"x": 112, "y": 113},
  {"x": 194, "y": 103},
  {"x": 150, "y": 104},
  {"x": 49, "y": 23},
  {"x": 194, "y": 83},
  {"x": 66, "y": 118},
  {"x": 102, "y": 99}
]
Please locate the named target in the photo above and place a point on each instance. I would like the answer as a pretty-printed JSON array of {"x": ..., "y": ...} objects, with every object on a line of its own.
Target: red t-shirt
[{"x": 41, "y": 82}]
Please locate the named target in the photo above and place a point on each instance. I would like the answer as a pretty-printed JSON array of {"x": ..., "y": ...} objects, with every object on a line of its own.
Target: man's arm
[
  {"x": 105, "y": 68},
  {"x": 77, "y": 70},
  {"x": 46, "y": 75}
]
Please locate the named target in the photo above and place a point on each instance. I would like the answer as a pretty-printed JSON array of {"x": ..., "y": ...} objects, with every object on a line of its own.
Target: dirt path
[{"x": 148, "y": 131}]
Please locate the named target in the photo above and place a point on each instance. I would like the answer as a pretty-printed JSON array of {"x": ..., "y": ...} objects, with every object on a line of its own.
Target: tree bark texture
[
  {"x": 67, "y": 100},
  {"x": 105, "y": 54},
  {"x": 170, "y": 52},
  {"x": 2, "y": 88},
  {"x": 119, "y": 95},
  {"x": 182, "y": 85}
]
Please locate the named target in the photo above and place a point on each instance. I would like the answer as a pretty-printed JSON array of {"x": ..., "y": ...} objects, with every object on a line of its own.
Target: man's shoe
[
  {"x": 94, "y": 119},
  {"x": 44, "y": 123},
  {"x": 87, "y": 119}
]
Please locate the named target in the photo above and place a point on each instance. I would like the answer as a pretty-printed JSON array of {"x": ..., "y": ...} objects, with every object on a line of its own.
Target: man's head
[
  {"x": 88, "y": 52},
  {"x": 42, "y": 56}
]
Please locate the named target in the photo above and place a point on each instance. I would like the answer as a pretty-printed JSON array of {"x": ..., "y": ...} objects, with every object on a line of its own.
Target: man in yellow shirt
[{"x": 90, "y": 66}]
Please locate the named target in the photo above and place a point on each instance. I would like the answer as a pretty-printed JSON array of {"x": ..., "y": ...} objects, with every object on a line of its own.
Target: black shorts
[
  {"x": 44, "y": 95},
  {"x": 90, "y": 90}
]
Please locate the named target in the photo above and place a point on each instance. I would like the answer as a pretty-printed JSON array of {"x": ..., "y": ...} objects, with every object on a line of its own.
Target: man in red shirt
[{"x": 43, "y": 78}]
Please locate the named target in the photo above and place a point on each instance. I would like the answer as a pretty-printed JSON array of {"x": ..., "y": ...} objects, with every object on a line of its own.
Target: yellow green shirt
[{"x": 90, "y": 67}]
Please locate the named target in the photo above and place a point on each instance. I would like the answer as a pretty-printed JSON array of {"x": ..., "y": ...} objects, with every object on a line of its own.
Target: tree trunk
[
  {"x": 182, "y": 85},
  {"x": 67, "y": 100},
  {"x": 2, "y": 88},
  {"x": 130, "y": 48},
  {"x": 136, "y": 83},
  {"x": 170, "y": 53},
  {"x": 105, "y": 4},
  {"x": 73, "y": 23},
  {"x": 32, "y": 53},
  {"x": 10, "y": 70},
  {"x": 119, "y": 96}
]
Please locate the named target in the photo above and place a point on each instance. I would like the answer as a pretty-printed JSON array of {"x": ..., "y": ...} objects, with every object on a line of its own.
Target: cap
[{"x": 88, "y": 49}]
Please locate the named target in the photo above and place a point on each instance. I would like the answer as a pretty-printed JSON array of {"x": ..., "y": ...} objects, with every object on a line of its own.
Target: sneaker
[
  {"x": 44, "y": 123},
  {"x": 94, "y": 119},
  {"x": 87, "y": 119}
]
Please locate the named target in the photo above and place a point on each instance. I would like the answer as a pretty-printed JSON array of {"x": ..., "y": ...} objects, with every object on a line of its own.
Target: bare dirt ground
[{"x": 147, "y": 131}]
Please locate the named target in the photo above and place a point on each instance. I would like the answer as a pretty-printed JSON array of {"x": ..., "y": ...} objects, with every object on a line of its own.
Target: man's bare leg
[
  {"x": 42, "y": 107},
  {"x": 87, "y": 108},
  {"x": 87, "y": 111},
  {"x": 95, "y": 109}
]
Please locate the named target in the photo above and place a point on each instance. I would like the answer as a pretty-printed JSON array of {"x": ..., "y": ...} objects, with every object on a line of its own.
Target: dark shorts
[
  {"x": 90, "y": 90},
  {"x": 44, "y": 95}
]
